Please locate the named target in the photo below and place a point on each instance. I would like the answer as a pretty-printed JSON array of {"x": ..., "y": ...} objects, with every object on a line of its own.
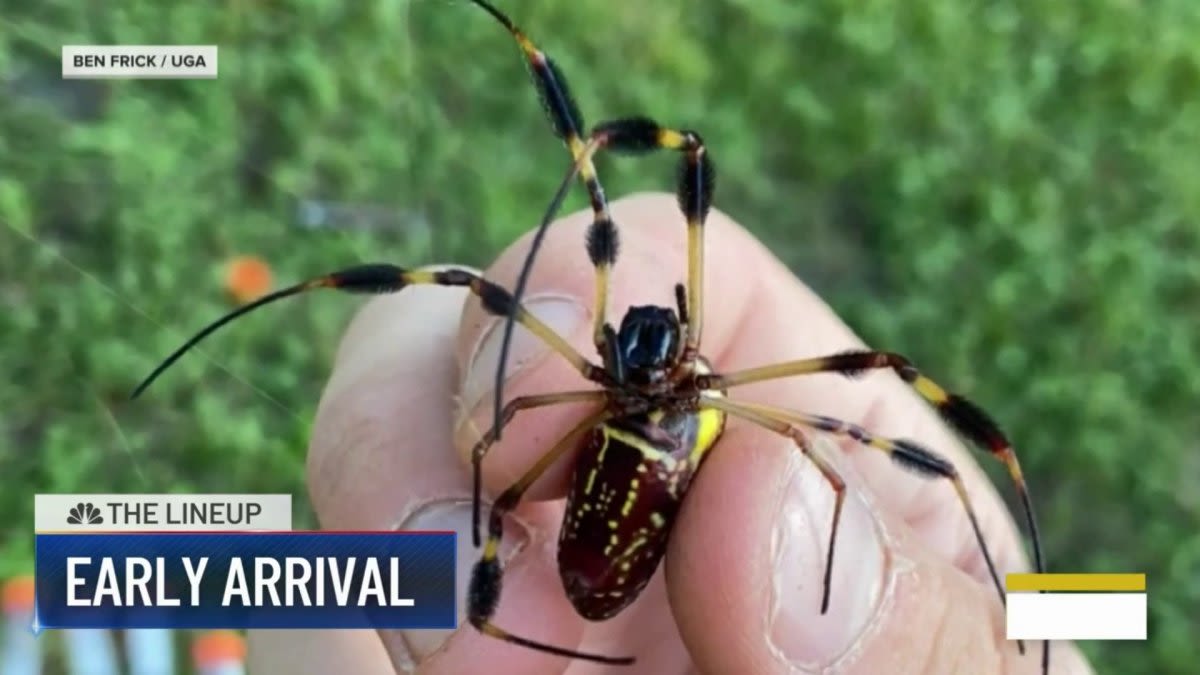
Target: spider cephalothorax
[{"x": 646, "y": 346}]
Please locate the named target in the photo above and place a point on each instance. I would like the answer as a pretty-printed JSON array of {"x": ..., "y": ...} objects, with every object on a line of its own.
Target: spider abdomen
[{"x": 622, "y": 501}]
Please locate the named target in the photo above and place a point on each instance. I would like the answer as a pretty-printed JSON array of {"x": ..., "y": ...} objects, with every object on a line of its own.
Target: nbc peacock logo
[{"x": 84, "y": 513}]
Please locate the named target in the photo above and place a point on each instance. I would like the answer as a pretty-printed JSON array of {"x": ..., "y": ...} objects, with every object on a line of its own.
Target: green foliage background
[{"x": 1006, "y": 191}]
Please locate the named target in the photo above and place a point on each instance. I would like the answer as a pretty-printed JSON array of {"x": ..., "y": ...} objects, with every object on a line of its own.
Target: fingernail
[
  {"x": 455, "y": 515},
  {"x": 561, "y": 313},
  {"x": 801, "y": 634}
]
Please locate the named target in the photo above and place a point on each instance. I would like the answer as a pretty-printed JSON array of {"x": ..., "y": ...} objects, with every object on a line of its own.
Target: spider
[{"x": 660, "y": 408}]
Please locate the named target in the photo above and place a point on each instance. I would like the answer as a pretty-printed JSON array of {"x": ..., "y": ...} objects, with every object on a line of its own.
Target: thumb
[{"x": 745, "y": 577}]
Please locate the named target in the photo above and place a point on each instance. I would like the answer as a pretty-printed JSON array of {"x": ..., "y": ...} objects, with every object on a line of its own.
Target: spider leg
[
  {"x": 961, "y": 414},
  {"x": 907, "y": 454},
  {"x": 486, "y": 442},
  {"x": 483, "y": 595},
  {"x": 784, "y": 427},
  {"x": 385, "y": 278}
]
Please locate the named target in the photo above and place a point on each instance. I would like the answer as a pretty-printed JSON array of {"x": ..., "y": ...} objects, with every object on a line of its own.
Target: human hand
[{"x": 411, "y": 393}]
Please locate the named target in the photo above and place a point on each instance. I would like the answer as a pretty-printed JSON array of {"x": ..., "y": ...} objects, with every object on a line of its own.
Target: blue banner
[{"x": 246, "y": 580}]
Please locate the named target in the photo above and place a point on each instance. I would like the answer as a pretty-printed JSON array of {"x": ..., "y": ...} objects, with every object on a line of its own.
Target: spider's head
[{"x": 647, "y": 342}]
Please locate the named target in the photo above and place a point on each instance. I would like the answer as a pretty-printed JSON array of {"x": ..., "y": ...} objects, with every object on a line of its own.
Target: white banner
[
  {"x": 1076, "y": 616},
  {"x": 137, "y": 62},
  {"x": 161, "y": 512}
]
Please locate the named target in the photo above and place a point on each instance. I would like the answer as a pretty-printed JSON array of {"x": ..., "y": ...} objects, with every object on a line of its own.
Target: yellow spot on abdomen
[
  {"x": 631, "y": 499},
  {"x": 709, "y": 424}
]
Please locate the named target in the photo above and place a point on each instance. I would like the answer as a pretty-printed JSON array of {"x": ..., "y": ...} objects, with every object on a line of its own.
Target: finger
[
  {"x": 897, "y": 606},
  {"x": 316, "y": 652},
  {"x": 381, "y": 457}
]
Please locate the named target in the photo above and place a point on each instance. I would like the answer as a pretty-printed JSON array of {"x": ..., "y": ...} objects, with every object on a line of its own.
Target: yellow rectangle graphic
[{"x": 1083, "y": 583}]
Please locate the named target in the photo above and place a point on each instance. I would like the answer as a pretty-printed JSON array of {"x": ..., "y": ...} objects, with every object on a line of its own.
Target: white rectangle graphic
[
  {"x": 137, "y": 62},
  {"x": 161, "y": 512},
  {"x": 1076, "y": 616}
]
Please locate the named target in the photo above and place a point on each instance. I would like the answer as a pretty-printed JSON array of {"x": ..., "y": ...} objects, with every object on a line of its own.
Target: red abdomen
[{"x": 622, "y": 501}]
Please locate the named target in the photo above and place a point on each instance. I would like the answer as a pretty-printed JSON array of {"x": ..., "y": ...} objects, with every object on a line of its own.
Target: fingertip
[
  {"x": 747, "y": 569},
  {"x": 719, "y": 563},
  {"x": 934, "y": 618}
]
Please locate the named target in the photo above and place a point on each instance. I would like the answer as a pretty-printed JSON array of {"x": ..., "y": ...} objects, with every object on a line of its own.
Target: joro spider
[{"x": 660, "y": 409}]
